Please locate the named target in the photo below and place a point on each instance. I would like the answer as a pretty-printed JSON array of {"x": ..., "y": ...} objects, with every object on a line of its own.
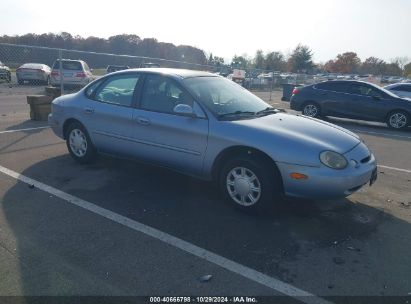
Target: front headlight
[{"x": 333, "y": 160}]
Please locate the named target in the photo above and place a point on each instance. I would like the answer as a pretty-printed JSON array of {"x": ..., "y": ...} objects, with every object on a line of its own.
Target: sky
[{"x": 226, "y": 28}]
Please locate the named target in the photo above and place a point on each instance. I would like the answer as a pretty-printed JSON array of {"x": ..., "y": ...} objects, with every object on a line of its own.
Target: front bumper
[
  {"x": 327, "y": 183},
  {"x": 55, "y": 122}
]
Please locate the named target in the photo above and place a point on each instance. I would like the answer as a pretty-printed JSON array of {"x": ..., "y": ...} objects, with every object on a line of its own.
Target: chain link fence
[{"x": 72, "y": 74}]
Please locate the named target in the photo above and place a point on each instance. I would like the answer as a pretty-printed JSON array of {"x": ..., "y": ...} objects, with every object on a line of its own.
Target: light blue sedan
[{"x": 208, "y": 127}]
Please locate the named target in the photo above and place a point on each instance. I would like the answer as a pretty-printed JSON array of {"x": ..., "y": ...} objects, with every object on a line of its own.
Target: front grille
[{"x": 366, "y": 160}]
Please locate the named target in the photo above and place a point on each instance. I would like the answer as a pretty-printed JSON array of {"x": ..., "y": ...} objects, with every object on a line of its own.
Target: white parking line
[
  {"x": 20, "y": 130},
  {"x": 380, "y": 133},
  {"x": 396, "y": 169},
  {"x": 199, "y": 252}
]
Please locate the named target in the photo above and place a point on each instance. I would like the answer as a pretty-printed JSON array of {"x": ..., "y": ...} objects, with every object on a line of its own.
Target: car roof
[
  {"x": 33, "y": 65},
  {"x": 394, "y": 85},
  {"x": 177, "y": 73}
]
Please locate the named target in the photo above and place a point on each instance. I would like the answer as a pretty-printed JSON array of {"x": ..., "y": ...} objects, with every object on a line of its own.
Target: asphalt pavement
[{"x": 70, "y": 229}]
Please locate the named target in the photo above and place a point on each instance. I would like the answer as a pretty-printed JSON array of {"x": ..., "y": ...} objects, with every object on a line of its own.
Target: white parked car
[
  {"x": 400, "y": 89},
  {"x": 37, "y": 73},
  {"x": 75, "y": 73}
]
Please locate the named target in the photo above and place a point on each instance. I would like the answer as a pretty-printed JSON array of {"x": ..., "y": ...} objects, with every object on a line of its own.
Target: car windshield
[{"x": 225, "y": 98}]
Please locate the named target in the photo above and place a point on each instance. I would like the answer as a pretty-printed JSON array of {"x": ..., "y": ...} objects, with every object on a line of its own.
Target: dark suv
[{"x": 352, "y": 99}]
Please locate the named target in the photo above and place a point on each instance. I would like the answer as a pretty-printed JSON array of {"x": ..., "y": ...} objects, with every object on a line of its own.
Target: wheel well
[
  {"x": 248, "y": 151},
  {"x": 67, "y": 123},
  {"x": 397, "y": 110},
  {"x": 311, "y": 101}
]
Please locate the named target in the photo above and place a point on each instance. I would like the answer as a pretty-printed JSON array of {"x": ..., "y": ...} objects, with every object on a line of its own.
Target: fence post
[
  {"x": 271, "y": 84},
  {"x": 61, "y": 73}
]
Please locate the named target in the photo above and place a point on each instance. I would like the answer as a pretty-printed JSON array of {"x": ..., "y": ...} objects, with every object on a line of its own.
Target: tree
[
  {"x": 345, "y": 63},
  {"x": 239, "y": 62},
  {"x": 401, "y": 61},
  {"x": 373, "y": 65},
  {"x": 274, "y": 61},
  {"x": 407, "y": 70},
  {"x": 301, "y": 59},
  {"x": 259, "y": 60},
  {"x": 393, "y": 69}
]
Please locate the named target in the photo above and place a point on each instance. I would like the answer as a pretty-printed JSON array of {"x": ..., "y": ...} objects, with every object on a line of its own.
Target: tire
[
  {"x": 398, "y": 120},
  {"x": 238, "y": 175},
  {"x": 79, "y": 143},
  {"x": 20, "y": 81},
  {"x": 311, "y": 109}
]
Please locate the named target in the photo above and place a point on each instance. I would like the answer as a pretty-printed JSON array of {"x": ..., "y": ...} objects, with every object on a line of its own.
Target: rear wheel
[
  {"x": 311, "y": 109},
  {"x": 248, "y": 184},
  {"x": 398, "y": 120},
  {"x": 79, "y": 144},
  {"x": 20, "y": 81}
]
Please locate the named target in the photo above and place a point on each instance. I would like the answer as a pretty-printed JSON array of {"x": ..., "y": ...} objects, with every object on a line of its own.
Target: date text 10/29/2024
[{"x": 235, "y": 299}]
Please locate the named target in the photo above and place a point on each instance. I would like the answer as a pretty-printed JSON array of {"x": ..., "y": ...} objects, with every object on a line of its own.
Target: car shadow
[
  {"x": 298, "y": 241},
  {"x": 24, "y": 131}
]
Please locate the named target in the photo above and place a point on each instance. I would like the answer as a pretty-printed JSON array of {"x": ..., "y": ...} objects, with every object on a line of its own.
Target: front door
[{"x": 165, "y": 137}]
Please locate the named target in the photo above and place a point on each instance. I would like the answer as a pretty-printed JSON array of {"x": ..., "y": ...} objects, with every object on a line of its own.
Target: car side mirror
[{"x": 184, "y": 109}]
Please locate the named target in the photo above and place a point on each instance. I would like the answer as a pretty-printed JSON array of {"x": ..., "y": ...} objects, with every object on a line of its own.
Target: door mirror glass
[{"x": 184, "y": 109}]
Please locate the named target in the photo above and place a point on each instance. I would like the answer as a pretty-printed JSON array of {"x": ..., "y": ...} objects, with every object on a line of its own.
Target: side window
[
  {"x": 162, "y": 94},
  {"x": 341, "y": 87},
  {"x": 92, "y": 88},
  {"x": 366, "y": 90},
  {"x": 329, "y": 86},
  {"x": 360, "y": 89},
  {"x": 118, "y": 90}
]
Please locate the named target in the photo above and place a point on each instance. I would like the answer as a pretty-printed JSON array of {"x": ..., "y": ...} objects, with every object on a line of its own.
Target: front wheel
[
  {"x": 79, "y": 144},
  {"x": 248, "y": 184},
  {"x": 398, "y": 120},
  {"x": 311, "y": 109}
]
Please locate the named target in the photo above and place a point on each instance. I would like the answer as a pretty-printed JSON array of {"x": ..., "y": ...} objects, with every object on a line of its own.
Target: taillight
[
  {"x": 82, "y": 75},
  {"x": 296, "y": 91},
  {"x": 55, "y": 73}
]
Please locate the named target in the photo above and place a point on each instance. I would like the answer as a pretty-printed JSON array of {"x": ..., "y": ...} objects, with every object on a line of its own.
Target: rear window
[{"x": 69, "y": 65}]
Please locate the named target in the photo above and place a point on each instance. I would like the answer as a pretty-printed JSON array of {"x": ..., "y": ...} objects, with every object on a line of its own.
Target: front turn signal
[{"x": 298, "y": 176}]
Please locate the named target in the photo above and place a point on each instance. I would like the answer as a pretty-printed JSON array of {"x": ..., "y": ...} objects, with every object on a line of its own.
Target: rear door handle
[
  {"x": 143, "y": 121},
  {"x": 88, "y": 110}
]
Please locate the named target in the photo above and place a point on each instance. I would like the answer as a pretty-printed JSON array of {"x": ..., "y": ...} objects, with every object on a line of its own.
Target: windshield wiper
[
  {"x": 237, "y": 113},
  {"x": 266, "y": 111}
]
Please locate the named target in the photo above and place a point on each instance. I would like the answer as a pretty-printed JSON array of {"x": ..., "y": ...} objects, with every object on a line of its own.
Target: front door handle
[
  {"x": 88, "y": 110},
  {"x": 143, "y": 121}
]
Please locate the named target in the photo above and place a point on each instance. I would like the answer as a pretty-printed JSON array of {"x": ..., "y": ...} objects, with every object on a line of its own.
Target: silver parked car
[
  {"x": 33, "y": 72},
  {"x": 75, "y": 73},
  {"x": 206, "y": 126}
]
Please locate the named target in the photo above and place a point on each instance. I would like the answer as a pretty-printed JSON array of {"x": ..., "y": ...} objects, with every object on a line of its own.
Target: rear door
[
  {"x": 333, "y": 98},
  {"x": 108, "y": 113},
  {"x": 165, "y": 137}
]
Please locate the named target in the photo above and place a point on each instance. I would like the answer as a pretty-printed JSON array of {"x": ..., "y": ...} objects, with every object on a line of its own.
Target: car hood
[{"x": 305, "y": 132}]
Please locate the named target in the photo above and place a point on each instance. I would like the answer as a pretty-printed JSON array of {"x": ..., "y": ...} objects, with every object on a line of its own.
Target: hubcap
[
  {"x": 310, "y": 110},
  {"x": 398, "y": 120},
  {"x": 243, "y": 186},
  {"x": 78, "y": 142}
]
